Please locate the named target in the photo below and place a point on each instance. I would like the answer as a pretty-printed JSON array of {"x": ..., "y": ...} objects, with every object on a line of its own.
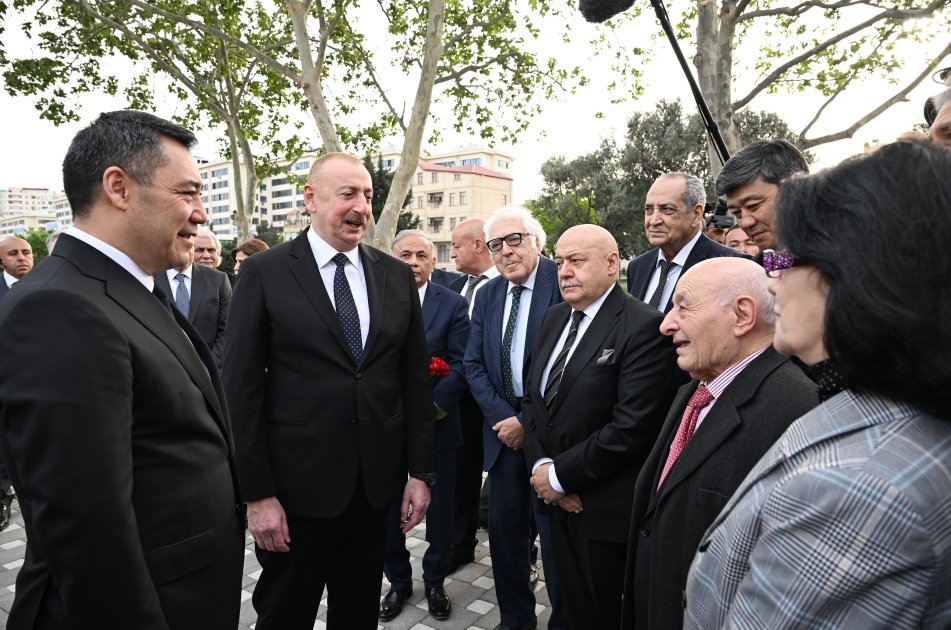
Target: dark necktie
[
  {"x": 347, "y": 309},
  {"x": 181, "y": 294},
  {"x": 507, "y": 386},
  {"x": 471, "y": 287},
  {"x": 700, "y": 399},
  {"x": 659, "y": 291},
  {"x": 554, "y": 377}
]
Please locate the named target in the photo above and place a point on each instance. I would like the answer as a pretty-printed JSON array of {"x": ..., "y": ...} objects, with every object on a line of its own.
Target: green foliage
[
  {"x": 608, "y": 186},
  {"x": 382, "y": 179},
  {"x": 36, "y": 237},
  {"x": 269, "y": 234}
]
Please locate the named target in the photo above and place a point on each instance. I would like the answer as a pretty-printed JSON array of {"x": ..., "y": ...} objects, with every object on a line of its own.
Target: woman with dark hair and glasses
[{"x": 846, "y": 521}]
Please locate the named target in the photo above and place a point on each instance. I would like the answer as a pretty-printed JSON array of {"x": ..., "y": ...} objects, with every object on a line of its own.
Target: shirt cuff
[{"x": 553, "y": 480}]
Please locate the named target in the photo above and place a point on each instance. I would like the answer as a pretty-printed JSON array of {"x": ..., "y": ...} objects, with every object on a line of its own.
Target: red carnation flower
[{"x": 438, "y": 367}]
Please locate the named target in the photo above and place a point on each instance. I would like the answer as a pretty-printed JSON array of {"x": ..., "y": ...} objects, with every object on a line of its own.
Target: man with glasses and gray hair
[{"x": 505, "y": 319}]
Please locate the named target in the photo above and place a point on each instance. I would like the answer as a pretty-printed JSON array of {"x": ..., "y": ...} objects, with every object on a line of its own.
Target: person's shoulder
[
  {"x": 446, "y": 294},
  {"x": 647, "y": 258},
  {"x": 716, "y": 250}
]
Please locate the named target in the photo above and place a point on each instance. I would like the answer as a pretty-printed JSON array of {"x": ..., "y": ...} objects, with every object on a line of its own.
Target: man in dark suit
[
  {"x": 504, "y": 322},
  {"x": 474, "y": 261},
  {"x": 327, "y": 376},
  {"x": 742, "y": 399},
  {"x": 16, "y": 258},
  {"x": 673, "y": 219},
  {"x": 444, "y": 278},
  {"x": 204, "y": 294},
  {"x": 119, "y": 440},
  {"x": 595, "y": 399},
  {"x": 446, "y": 320}
]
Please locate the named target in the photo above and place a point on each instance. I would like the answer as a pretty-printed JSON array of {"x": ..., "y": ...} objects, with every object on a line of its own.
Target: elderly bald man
[
  {"x": 743, "y": 396},
  {"x": 596, "y": 395}
]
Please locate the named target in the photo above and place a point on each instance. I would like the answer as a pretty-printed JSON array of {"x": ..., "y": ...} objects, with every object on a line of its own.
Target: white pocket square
[{"x": 607, "y": 357}]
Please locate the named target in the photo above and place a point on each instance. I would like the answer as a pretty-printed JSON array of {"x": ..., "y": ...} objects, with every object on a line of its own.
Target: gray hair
[
  {"x": 738, "y": 282},
  {"x": 404, "y": 233},
  {"x": 694, "y": 192},
  {"x": 773, "y": 160},
  {"x": 206, "y": 232},
  {"x": 529, "y": 223}
]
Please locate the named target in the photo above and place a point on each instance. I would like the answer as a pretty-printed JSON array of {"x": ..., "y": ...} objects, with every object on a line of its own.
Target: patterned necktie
[
  {"x": 347, "y": 309},
  {"x": 181, "y": 294},
  {"x": 659, "y": 291},
  {"x": 508, "y": 387},
  {"x": 471, "y": 287},
  {"x": 700, "y": 399},
  {"x": 554, "y": 377}
]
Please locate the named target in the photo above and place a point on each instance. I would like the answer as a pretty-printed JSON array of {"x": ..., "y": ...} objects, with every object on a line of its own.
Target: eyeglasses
[
  {"x": 776, "y": 262},
  {"x": 514, "y": 240}
]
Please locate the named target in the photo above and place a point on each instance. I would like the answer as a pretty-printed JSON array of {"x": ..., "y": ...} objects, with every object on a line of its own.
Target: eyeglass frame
[
  {"x": 774, "y": 263},
  {"x": 508, "y": 238}
]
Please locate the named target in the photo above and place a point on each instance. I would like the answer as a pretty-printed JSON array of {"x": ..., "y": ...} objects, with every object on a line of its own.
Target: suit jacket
[
  {"x": 117, "y": 437},
  {"x": 3, "y": 286},
  {"x": 610, "y": 405},
  {"x": 308, "y": 421},
  {"x": 666, "y": 526},
  {"x": 445, "y": 278},
  {"x": 483, "y": 353},
  {"x": 446, "y": 320},
  {"x": 207, "y": 305},
  {"x": 843, "y": 523},
  {"x": 640, "y": 270}
]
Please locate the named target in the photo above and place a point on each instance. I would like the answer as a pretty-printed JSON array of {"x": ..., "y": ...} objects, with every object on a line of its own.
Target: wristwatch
[{"x": 428, "y": 478}]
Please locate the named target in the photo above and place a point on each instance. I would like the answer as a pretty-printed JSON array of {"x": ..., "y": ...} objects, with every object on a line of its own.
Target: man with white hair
[
  {"x": 743, "y": 397},
  {"x": 505, "y": 319}
]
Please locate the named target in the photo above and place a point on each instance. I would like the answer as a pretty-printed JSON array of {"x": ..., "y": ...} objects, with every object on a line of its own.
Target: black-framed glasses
[
  {"x": 941, "y": 75},
  {"x": 514, "y": 240},
  {"x": 776, "y": 262}
]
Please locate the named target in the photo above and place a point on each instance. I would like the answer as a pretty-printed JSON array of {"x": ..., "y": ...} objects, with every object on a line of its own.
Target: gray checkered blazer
[{"x": 844, "y": 523}]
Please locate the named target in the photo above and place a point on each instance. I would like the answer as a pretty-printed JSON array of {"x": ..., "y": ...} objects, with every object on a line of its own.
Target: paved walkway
[{"x": 471, "y": 589}]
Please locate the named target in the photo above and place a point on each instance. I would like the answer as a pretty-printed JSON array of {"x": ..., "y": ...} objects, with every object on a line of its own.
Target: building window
[
  {"x": 204, "y": 175},
  {"x": 389, "y": 163},
  {"x": 219, "y": 172},
  {"x": 282, "y": 193},
  {"x": 278, "y": 217},
  {"x": 452, "y": 199},
  {"x": 471, "y": 162},
  {"x": 220, "y": 197},
  {"x": 452, "y": 223},
  {"x": 456, "y": 177},
  {"x": 461, "y": 219},
  {"x": 419, "y": 201},
  {"x": 302, "y": 165},
  {"x": 217, "y": 185},
  {"x": 283, "y": 205},
  {"x": 442, "y": 252},
  {"x": 435, "y": 225},
  {"x": 300, "y": 203},
  {"x": 419, "y": 178},
  {"x": 450, "y": 164},
  {"x": 280, "y": 181},
  {"x": 435, "y": 177},
  {"x": 505, "y": 200},
  {"x": 463, "y": 198},
  {"x": 502, "y": 163},
  {"x": 220, "y": 209}
]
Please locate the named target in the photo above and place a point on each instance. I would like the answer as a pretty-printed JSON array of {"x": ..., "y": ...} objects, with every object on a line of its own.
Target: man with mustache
[{"x": 326, "y": 371}]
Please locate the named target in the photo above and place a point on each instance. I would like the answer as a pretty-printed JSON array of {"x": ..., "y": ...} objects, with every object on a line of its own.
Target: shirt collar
[
  {"x": 174, "y": 272},
  {"x": 422, "y": 292},
  {"x": 10, "y": 280},
  {"x": 721, "y": 382},
  {"x": 117, "y": 256},
  {"x": 324, "y": 253},
  {"x": 595, "y": 306},
  {"x": 681, "y": 258}
]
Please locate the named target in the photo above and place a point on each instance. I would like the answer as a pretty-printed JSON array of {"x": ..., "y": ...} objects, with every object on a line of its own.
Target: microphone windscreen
[{"x": 601, "y": 10}]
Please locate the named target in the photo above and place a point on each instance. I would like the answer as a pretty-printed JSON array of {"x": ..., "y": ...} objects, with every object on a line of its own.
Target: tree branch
[
  {"x": 455, "y": 39},
  {"x": 801, "y": 8},
  {"x": 457, "y": 74},
  {"x": 897, "y": 97},
  {"x": 379, "y": 88}
]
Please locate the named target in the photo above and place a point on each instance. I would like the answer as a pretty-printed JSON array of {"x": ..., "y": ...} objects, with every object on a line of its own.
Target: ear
[
  {"x": 310, "y": 198},
  {"x": 479, "y": 245},
  {"x": 117, "y": 186},
  {"x": 745, "y": 315},
  {"x": 697, "y": 214},
  {"x": 614, "y": 262}
]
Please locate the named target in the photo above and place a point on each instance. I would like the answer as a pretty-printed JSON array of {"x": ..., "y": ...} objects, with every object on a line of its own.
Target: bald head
[
  {"x": 588, "y": 262},
  {"x": 16, "y": 256},
  {"x": 722, "y": 313},
  {"x": 468, "y": 249}
]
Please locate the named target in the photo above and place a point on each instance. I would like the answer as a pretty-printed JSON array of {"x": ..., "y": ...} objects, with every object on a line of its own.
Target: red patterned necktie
[{"x": 700, "y": 399}]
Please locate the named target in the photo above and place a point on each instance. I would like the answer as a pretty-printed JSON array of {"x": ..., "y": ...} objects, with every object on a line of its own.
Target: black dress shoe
[
  {"x": 392, "y": 604},
  {"x": 531, "y": 625},
  {"x": 457, "y": 560},
  {"x": 439, "y": 604}
]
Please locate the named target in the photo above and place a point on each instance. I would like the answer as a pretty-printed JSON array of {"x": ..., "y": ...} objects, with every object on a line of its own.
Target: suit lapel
[
  {"x": 546, "y": 343},
  {"x": 198, "y": 289},
  {"x": 376, "y": 289},
  {"x": 642, "y": 275},
  {"x": 305, "y": 271},
  {"x": 161, "y": 279},
  {"x": 545, "y": 283},
  {"x": 666, "y": 437},
  {"x": 431, "y": 304}
]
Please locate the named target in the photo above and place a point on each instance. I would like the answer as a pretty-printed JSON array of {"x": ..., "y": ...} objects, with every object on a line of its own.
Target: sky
[{"x": 34, "y": 148}]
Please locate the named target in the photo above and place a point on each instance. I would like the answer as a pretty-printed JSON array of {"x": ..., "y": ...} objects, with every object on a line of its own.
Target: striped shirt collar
[{"x": 720, "y": 383}]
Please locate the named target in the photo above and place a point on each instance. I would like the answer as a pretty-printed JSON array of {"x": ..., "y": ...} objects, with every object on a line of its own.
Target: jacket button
[
  {"x": 549, "y": 426},
  {"x": 354, "y": 421},
  {"x": 359, "y": 376},
  {"x": 645, "y": 531}
]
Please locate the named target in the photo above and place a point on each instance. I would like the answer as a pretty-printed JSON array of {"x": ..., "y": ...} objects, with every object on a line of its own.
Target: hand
[
  {"x": 511, "y": 433},
  {"x": 415, "y": 504},
  {"x": 268, "y": 525},
  {"x": 542, "y": 484},
  {"x": 570, "y": 503}
]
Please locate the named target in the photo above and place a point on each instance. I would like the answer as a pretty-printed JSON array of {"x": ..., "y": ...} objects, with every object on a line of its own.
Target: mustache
[
  {"x": 566, "y": 284},
  {"x": 355, "y": 218}
]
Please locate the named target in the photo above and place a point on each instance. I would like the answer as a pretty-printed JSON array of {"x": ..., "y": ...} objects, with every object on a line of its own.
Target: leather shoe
[
  {"x": 4, "y": 515},
  {"x": 533, "y": 575},
  {"x": 392, "y": 604},
  {"x": 457, "y": 560},
  {"x": 439, "y": 604},
  {"x": 531, "y": 625}
]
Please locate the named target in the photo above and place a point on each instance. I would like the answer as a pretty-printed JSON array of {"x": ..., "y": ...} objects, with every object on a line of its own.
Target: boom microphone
[{"x": 601, "y": 10}]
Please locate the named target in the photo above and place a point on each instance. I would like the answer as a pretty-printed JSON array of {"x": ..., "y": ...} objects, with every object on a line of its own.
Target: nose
[
  {"x": 746, "y": 220},
  {"x": 198, "y": 213},
  {"x": 669, "y": 326}
]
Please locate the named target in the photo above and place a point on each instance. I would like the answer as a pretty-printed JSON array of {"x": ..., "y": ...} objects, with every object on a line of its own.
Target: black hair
[
  {"x": 773, "y": 160},
  {"x": 128, "y": 139},
  {"x": 877, "y": 227}
]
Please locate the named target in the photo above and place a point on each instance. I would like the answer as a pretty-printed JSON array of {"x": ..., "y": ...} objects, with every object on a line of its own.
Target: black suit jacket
[
  {"x": 115, "y": 431},
  {"x": 666, "y": 527},
  {"x": 3, "y": 286},
  {"x": 207, "y": 305},
  {"x": 309, "y": 422},
  {"x": 445, "y": 278},
  {"x": 608, "y": 410},
  {"x": 640, "y": 270}
]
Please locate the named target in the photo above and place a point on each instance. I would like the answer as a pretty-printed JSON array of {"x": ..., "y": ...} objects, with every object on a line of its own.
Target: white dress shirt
[
  {"x": 324, "y": 254},
  {"x": 8, "y": 279},
  {"x": 489, "y": 273},
  {"x": 676, "y": 265},
  {"x": 422, "y": 293},
  {"x": 173, "y": 282},
  {"x": 517, "y": 354},
  {"x": 117, "y": 256}
]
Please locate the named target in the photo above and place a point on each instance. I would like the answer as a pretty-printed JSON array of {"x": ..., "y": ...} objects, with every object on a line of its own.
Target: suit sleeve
[
  {"x": 244, "y": 375},
  {"x": 70, "y": 409},
  {"x": 643, "y": 397},
  {"x": 448, "y": 390},
  {"x": 494, "y": 408},
  {"x": 417, "y": 388},
  {"x": 534, "y": 450},
  {"x": 224, "y": 299}
]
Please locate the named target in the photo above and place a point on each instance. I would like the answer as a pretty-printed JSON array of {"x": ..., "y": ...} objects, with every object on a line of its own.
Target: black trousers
[{"x": 344, "y": 553}]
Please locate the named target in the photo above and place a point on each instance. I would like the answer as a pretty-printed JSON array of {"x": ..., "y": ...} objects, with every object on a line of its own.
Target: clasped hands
[{"x": 542, "y": 484}]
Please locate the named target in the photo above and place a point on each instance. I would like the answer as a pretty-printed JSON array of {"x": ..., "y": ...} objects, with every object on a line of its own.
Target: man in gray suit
[
  {"x": 742, "y": 398},
  {"x": 202, "y": 295}
]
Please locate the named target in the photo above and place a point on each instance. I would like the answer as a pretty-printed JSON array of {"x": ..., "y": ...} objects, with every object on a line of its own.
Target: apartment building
[
  {"x": 27, "y": 201},
  {"x": 18, "y": 224}
]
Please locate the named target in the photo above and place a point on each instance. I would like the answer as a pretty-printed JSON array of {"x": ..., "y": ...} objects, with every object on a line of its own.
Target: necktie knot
[
  {"x": 180, "y": 276},
  {"x": 517, "y": 291},
  {"x": 701, "y": 398},
  {"x": 576, "y": 317},
  {"x": 340, "y": 259}
]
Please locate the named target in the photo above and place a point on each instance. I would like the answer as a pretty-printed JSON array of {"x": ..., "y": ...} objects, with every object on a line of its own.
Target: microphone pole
[{"x": 713, "y": 132}]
